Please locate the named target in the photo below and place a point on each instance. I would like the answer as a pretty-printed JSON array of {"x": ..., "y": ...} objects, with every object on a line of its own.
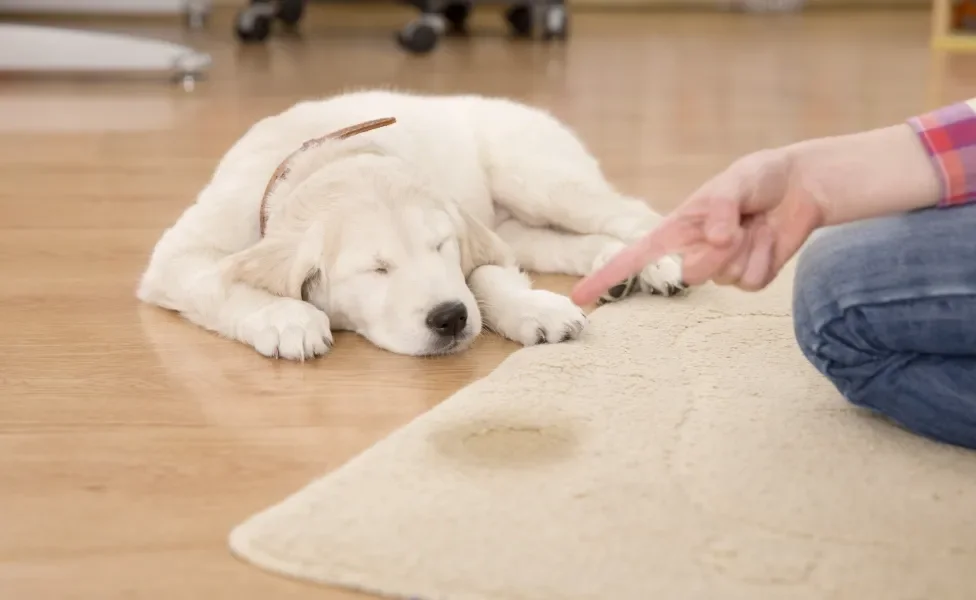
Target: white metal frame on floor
[{"x": 39, "y": 49}]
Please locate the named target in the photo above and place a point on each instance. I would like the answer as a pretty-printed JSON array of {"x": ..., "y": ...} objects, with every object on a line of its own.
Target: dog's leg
[
  {"x": 511, "y": 308},
  {"x": 193, "y": 284},
  {"x": 590, "y": 208},
  {"x": 552, "y": 181},
  {"x": 579, "y": 204},
  {"x": 545, "y": 250},
  {"x": 542, "y": 173}
]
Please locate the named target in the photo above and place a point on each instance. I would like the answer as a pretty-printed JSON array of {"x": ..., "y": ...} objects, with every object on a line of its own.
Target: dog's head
[{"x": 381, "y": 251}]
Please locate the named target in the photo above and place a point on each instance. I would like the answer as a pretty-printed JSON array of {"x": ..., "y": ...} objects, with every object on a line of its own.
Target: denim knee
[
  {"x": 831, "y": 334},
  {"x": 881, "y": 312}
]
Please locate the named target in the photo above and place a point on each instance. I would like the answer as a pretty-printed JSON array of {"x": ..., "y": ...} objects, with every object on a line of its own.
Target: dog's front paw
[
  {"x": 288, "y": 328},
  {"x": 541, "y": 317}
]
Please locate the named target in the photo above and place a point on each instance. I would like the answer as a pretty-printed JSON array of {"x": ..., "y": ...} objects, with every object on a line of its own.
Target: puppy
[{"x": 412, "y": 231}]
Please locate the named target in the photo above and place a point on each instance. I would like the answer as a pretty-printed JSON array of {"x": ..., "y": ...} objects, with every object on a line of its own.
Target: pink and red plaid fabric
[{"x": 949, "y": 137}]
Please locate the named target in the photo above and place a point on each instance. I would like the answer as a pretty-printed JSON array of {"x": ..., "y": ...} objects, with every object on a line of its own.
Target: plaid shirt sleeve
[{"x": 949, "y": 136}]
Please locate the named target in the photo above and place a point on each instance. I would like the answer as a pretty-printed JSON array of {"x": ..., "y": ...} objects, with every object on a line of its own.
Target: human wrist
[
  {"x": 864, "y": 175},
  {"x": 946, "y": 135}
]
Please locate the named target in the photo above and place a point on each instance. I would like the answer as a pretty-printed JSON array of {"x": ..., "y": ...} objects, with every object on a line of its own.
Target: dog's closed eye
[{"x": 442, "y": 244}]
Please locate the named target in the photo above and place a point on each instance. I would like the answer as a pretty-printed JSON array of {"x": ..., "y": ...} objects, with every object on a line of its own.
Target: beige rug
[{"x": 682, "y": 450}]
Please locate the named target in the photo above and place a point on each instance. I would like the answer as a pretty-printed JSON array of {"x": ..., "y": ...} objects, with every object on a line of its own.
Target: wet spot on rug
[{"x": 507, "y": 444}]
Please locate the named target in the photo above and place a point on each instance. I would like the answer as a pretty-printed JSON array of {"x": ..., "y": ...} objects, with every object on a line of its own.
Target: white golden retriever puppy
[{"x": 413, "y": 233}]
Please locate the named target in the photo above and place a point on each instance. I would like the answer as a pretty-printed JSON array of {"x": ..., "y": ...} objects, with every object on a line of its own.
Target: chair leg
[
  {"x": 422, "y": 35},
  {"x": 198, "y": 13}
]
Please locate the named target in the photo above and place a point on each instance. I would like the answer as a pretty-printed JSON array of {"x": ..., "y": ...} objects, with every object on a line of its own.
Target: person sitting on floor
[{"x": 885, "y": 287}]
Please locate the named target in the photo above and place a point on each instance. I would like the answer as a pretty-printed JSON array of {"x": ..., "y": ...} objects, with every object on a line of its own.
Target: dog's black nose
[{"x": 448, "y": 319}]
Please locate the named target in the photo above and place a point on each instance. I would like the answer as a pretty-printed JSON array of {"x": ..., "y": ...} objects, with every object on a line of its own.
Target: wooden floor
[{"x": 131, "y": 442}]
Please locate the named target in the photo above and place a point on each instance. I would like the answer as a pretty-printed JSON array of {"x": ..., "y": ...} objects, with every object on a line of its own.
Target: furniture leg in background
[
  {"x": 546, "y": 19},
  {"x": 254, "y": 22},
  {"x": 28, "y": 48}
]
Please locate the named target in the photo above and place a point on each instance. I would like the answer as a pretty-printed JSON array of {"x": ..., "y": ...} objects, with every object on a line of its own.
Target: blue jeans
[{"x": 886, "y": 310}]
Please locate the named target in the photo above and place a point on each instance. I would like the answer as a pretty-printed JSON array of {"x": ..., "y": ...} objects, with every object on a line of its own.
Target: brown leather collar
[{"x": 281, "y": 173}]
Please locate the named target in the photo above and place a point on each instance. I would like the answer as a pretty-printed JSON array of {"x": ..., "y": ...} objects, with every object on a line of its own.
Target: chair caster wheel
[
  {"x": 190, "y": 68},
  {"x": 253, "y": 24},
  {"x": 188, "y": 81},
  {"x": 520, "y": 20},
  {"x": 456, "y": 14},
  {"x": 290, "y": 12},
  {"x": 422, "y": 35}
]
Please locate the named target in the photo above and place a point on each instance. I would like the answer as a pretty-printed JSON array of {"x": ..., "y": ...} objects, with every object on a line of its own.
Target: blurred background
[
  {"x": 130, "y": 441},
  {"x": 661, "y": 85}
]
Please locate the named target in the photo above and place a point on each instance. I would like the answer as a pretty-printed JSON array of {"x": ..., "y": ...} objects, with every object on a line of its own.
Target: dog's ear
[
  {"x": 281, "y": 264},
  {"x": 301, "y": 163},
  {"x": 480, "y": 245}
]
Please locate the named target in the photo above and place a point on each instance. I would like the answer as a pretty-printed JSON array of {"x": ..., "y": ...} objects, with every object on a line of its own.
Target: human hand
[{"x": 739, "y": 228}]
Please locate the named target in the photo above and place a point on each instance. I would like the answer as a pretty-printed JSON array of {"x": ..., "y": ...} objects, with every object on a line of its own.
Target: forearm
[
  {"x": 928, "y": 161},
  {"x": 865, "y": 175}
]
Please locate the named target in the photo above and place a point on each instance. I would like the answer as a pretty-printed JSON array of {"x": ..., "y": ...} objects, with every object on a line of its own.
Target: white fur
[{"x": 450, "y": 201}]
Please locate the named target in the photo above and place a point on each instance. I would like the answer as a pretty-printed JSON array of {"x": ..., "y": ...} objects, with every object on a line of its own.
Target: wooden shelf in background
[{"x": 943, "y": 36}]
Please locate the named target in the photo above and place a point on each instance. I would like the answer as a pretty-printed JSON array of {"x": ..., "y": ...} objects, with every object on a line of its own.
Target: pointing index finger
[{"x": 671, "y": 237}]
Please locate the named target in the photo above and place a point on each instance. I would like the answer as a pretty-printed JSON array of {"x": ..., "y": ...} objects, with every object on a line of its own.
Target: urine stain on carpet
[{"x": 506, "y": 444}]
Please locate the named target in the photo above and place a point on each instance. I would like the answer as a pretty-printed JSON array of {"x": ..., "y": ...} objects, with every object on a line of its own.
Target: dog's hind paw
[{"x": 663, "y": 277}]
